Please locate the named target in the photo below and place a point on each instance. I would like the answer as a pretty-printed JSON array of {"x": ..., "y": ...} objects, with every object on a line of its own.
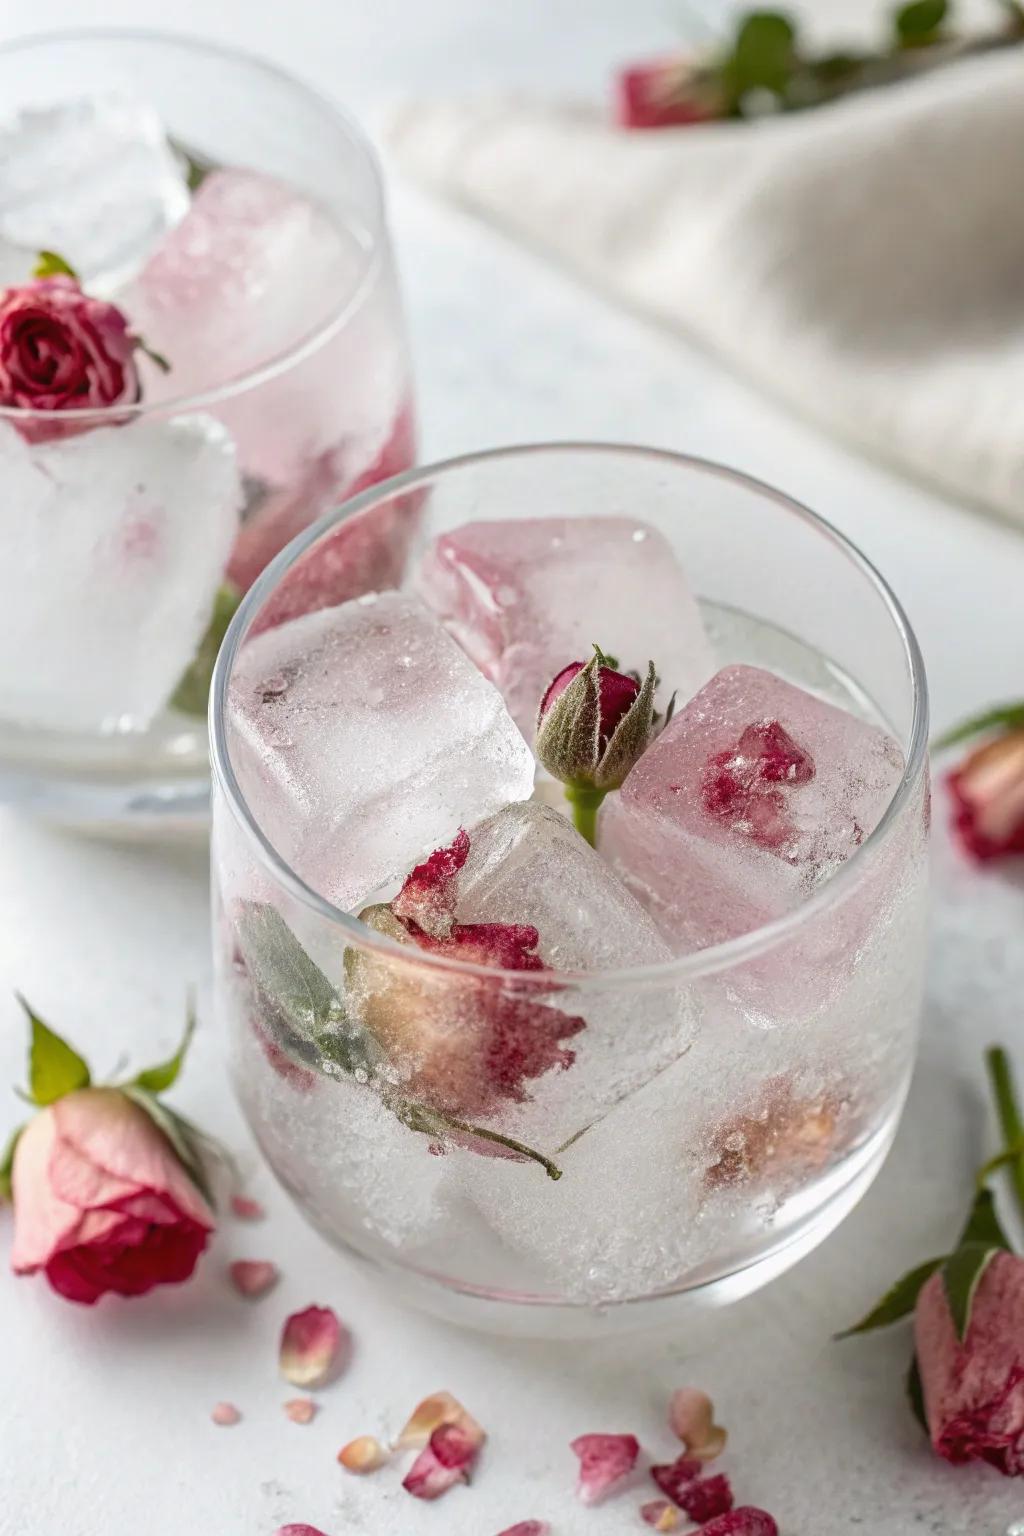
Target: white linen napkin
[{"x": 864, "y": 260}]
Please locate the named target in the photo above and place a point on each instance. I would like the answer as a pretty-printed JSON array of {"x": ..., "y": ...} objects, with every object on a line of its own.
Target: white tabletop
[{"x": 104, "y": 1412}]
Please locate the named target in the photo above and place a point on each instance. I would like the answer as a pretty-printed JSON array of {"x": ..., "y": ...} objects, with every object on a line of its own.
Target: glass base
[{"x": 169, "y": 806}]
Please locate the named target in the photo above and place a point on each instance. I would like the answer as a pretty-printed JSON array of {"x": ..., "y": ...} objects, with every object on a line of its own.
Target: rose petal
[
  {"x": 443, "y": 1462},
  {"x": 437, "y": 1409},
  {"x": 225, "y": 1414},
  {"x": 713, "y": 1446},
  {"x": 706, "y": 1497},
  {"x": 301, "y": 1410},
  {"x": 604, "y": 1461},
  {"x": 246, "y": 1209},
  {"x": 661, "y": 1514},
  {"x": 311, "y": 1346},
  {"x": 528, "y": 1528},
  {"x": 745, "y": 1521},
  {"x": 298, "y": 1530},
  {"x": 673, "y": 1477},
  {"x": 690, "y": 1415},
  {"x": 253, "y": 1277},
  {"x": 363, "y": 1454}
]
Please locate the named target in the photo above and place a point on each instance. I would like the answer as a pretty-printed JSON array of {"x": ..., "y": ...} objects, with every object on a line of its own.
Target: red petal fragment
[
  {"x": 301, "y": 1410},
  {"x": 661, "y": 1514},
  {"x": 246, "y": 1209},
  {"x": 604, "y": 1461},
  {"x": 363, "y": 1454},
  {"x": 528, "y": 1528},
  {"x": 253, "y": 1277},
  {"x": 298, "y": 1530},
  {"x": 311, "y": 1347},
  {"x": 443, "y": 1462},
  {"x": 707, "y": 1497},
  {"x": 745, "y": 1521},
  {"x": 225, "y": 1414},
  {"x": 430, "y": 892},
  {"x": 738, "y": 785},
  {"x": 454, "y": 1446},
  {"x": 676, "y": 1476}
]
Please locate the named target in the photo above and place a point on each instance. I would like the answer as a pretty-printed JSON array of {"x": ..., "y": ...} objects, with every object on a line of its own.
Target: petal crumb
[
  {"x": 528, "y": 1528},
  {"x": 706, "y": 1497},
  {"x": 660, "y": 1514},
  {"x": 253, "y": 1277},
  {"x": 440, "y": 1408},
  {"x": 691, "y": 1417},
  {"x": 301, "y": 1410},
  {"x": 745, "y": 1521},
  {"x": 605, "y": 1460},
  {"x": 446, "y": 1459},
  {"x": 298, "y": 1530},
  {"x": 247, "y": 1210},
  {"x": 225, "y": 1414},
  {"x": 363, "y": 1454},
  {"x": 677, "y": 1476},
  {"x": 311, "y": 1347}
]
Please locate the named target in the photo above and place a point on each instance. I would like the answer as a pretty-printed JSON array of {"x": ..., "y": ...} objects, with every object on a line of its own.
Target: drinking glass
[
  {"x": 237, "y": 219},
  {"x": 726, "y": 1106}
]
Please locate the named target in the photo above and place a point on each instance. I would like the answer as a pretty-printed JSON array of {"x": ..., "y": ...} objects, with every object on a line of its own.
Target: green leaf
[
  {"x": 1006, "y": 717},
  {"x": 763, "y": 55},
  {"x": 915, "y": 1393},
  {"x": 899, "y": 1301},
  {"x": 49, "y": 264},
  {"x": 163, "y": 1076},
  {"x": 54, "y": 1069},
  {"x": 7, "y": 1162},
  {"x": 193, "y": 691},
  {"x": 961, "y": 1274},
  {"x": 186, "y": 1139},
  {"x": 431, "y": 1122},
  {"x": 983, "y": 1224},
  {"x": 920, "y": 22}
]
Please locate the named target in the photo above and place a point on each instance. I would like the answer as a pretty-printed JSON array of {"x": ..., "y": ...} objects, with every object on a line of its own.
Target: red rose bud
[
  {"x": 988, "y": 798},
  {"x": 61, "y": 350},
  {"x": 974, "y": 1387},
  {"x": 665, "y": 93}
]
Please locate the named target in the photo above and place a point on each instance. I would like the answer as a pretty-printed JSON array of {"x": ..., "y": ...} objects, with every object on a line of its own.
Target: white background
[{"x": 104, "y": 1413}]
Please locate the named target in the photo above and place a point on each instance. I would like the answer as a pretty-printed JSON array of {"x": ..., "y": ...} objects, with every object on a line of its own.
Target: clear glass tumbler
[
  {"x": 236, "y": 219},
  {"x": 720, "y": 1105}
]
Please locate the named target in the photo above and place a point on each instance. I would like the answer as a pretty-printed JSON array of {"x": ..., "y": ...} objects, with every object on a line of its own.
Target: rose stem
[
  {"x": 585, "y": 802},
  {"x": 1007, "y": 1108}
]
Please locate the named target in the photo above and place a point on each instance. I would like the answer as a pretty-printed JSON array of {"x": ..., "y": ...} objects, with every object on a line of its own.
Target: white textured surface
[{"x": 104, "y": 1415}]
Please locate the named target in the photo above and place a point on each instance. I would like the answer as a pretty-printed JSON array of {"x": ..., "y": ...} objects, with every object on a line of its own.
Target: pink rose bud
[
  {"x": 61, "y": 350},
  {"x": 594, "y": 723},
  {"x": 974, "y": 1387},
  {"x": 988, "y": 798},
  {"x": 665, "y": 93},
  {"x": 101, "y": 1202}
]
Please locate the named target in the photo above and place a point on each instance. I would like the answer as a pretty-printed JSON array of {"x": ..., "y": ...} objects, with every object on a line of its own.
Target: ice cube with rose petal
[
  {"x": 94, "y": 180},
  {"x": 753, "y": 795},
  {"x": 528, "y": 864},
  {"x": 363, "y": 738},
  {"x": 114, "y": 545},
  {"x": 527, "y": 596}
]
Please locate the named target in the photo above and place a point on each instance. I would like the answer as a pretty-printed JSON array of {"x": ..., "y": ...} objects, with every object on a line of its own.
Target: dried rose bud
[
  {"x": 973, "y": 1386},
  {"x": 780, "y": 1133},
  {"x": 666, "y": 93},
  {"x": 988, "y": 798}
]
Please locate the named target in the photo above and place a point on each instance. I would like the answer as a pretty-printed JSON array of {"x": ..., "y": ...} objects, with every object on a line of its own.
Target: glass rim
[
  {"x": 308, "y": 344},
  {"x": 715, "y": 958}
]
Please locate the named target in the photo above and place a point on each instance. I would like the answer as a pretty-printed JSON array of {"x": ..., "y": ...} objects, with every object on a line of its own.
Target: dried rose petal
[
  {"x": 246, "y": 1209},
  {"x": 298, "y": 1530},
  {"x": 253, "y": 1277},
  {"x": 311, "y": 1345},
  {"x": 225, "y": 1414},
  {"x": 706, "y": 1497},
  {"x": 691, "y": 1416},
  {"x": 430, "y": 892},
  {"x": 444, "y": 1461},
  {"x": 363, "y": 1454},
  {"x": 437, "y": 1409},
  {"x": 301, "y": 1410},
  {"x": 528, "y": 1528},
  {"x": 677, "y": 1475},
  {"x": 661, "y": 1514},
  {"x": 778, "y": 1134},
  {"x": 745, "y": 1521},
  {"x": 604, "y": 1461}
]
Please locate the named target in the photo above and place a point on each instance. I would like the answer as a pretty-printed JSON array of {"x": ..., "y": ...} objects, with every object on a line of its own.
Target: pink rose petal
[
  {"x": 662, "y": 1515},
  {"x": 445, "y": 1460},
  {"x": 706, "y": 1497},
  {"x": 674, "y": 1477},
  {"x": 225, "y": 1414},
  {"x": 301, "y": 1410},
  {"x": 363, "y": 1454},
  {"x": 437, "y": 1409},
  {"x": 246, "y": 1209},
  {"x": 605, "y": 1460},
  {"x": 311, "y": 1347},
  {"x": 299, "y": 1530},
  {"x": 253, "y": 1277},
  {"x": 745, "y": 1521},
  {"x": 528, "y": 1528}
]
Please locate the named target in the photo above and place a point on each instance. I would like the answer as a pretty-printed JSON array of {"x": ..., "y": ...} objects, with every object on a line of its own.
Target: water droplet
[{"x": 639, "y": 534}]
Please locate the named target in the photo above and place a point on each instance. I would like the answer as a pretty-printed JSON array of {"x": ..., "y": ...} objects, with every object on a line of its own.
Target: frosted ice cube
[
  {"x": 94, "y": 180},
  {"x": 755, "y": 793},
  {"x": 114, "y": 545},
  {"x": 527, "y": 596},
  {"x": 363, "y": 738}
]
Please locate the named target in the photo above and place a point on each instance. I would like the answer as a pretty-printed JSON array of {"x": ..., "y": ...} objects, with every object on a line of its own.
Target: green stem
[
  {"x": 585, "y": 801},
  {"x": 1008, "y": 1109}
]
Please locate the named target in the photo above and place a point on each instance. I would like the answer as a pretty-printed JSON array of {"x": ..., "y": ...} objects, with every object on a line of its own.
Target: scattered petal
[
  {"x": 661, "y": 1514},
  {"x": 676, "y": 1476},
  {"x": 363, "y": 1454},
  {"x": 745, "y": 1521},
  {"x": 528, "y": 1528},
  {"x": 253, "y": 1277},
  {"x": 299, "y": 1530},
  {"x": 445, "y": 1460},
  {"x": 311, "y": 1346},
  {"x": 437, "y": 1409},
  {"x": 706, "y": 1497},
  {"x": 225, "y": 1414},
  {"x": 713, "y": 1446},
  {"x": 604, "y": 1461},
  {"x": 301, "y": 1410},
  {"x": 248, "y": 1210},
  {"x": 691, "y": 1416}
]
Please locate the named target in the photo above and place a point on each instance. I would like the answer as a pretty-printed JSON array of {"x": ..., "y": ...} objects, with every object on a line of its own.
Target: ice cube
[
  {"x": 527, "y": 864},
  {"x": 527, "y": 596},
  {"x": 363, "y": 738},
  {"x": 94, "y": 180},
  {"x": 753, "y": 795},
  {"x": 114, "y": 545}
]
